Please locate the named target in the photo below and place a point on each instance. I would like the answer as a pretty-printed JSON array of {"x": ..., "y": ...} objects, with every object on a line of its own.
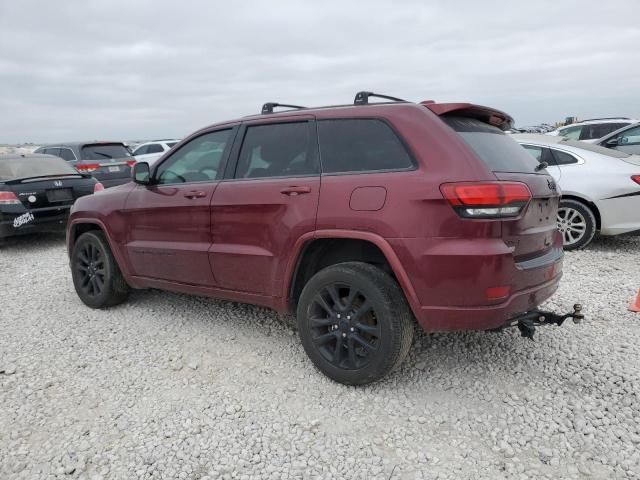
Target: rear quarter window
[
  {"x": 361, "y": 145},
  {"x": 498, "y": 151}
]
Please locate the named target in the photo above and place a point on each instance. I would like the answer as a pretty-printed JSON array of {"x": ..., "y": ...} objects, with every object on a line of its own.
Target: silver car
[{"x": 600, "y": 187}]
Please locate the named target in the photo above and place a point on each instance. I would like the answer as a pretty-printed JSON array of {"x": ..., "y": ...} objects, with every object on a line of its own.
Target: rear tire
[
  {"x": 96, "y": 276},
  {"x": 577, "y": 223},
  {"x": 354, "y": 323}
]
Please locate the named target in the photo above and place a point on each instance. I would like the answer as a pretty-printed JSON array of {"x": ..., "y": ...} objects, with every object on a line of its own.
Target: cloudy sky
[{"x": 140, "y": 69}]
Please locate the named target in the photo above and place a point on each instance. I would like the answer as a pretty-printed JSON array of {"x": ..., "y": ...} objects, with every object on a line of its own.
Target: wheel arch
[
  {"x": 309, "y": 257},
  {"x": 587, "y": 202},
  {"x": 79, "y": 226}
]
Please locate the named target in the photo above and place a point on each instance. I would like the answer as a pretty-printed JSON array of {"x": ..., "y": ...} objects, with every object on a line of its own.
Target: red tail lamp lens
[
  {"x": 636, "y": 178},
  {"x": 8, "y": 198},
  {"x": 87, "y": 167},
  {"x": 487, "y": 199}
]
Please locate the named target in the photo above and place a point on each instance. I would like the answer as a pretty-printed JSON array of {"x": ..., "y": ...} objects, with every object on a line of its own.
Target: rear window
[
  {"x": 496, "y": 149},
  {"x": 29, "y": 167},
  {"x": 102, "y": 151}
]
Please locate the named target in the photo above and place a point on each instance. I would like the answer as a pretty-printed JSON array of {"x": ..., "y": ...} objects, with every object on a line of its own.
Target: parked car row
[{"x": 593, "y": 129}]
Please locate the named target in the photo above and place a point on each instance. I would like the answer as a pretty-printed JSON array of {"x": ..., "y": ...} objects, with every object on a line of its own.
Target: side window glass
[
  {"x": 141, "y": 150},
  {"x": 360, "y": 145},
  {"x": 563, "y": 158},
  {"x": 67, "y": 154},
  {"x": 277, "y": 150},
  {"x": 535, "y": 152},
  {"x": 154, "y": 148},
  {"x": 572, "y": 133},
  {"x": 630, "y": 137},
  {"x": 52, "y": 151},
  {"x": 197, "y": 161}
]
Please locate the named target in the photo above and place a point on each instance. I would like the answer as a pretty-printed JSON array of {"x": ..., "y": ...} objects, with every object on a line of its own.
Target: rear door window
[
  {"x": 563, "y": 158},
  {"x": 104, "y": 151},
  {"x": 67, "y": 154},
  {"x": 155, "y": 148},
  {"x": 496, "y": 149},
  {"x": 541, "y": 154},
  {"x": 52, "y": 151},
  {"x": 361, "y": 145},
  {"x": 143, "y": 150}
]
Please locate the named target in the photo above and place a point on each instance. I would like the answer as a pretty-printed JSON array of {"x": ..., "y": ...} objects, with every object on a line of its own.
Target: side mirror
[
  {"x": 613, "y": 142},
  {"x": 141, "y": 173}
]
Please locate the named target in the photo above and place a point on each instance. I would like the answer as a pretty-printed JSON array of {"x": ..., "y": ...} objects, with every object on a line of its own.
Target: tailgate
[{"x": 536, "y": 231}]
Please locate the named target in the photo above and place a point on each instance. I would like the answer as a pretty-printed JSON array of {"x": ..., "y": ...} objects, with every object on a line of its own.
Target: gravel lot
[{"x": 171, "y": 386}]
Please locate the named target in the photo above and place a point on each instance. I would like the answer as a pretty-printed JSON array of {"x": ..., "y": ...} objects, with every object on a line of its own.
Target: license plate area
[
  {"x": 60, "y": 195},
  {"x": 114, "y": 169}
]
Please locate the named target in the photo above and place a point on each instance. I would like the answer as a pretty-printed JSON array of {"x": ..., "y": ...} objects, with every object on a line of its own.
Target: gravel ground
[{"x": 171, "y": 386}]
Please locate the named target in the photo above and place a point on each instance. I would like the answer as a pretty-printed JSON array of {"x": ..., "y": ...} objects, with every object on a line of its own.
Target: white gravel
[{"x": 171, "y": 386}]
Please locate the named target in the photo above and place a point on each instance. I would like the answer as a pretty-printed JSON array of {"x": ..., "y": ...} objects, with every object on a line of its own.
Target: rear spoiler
[{"x": 485, "y": 114}]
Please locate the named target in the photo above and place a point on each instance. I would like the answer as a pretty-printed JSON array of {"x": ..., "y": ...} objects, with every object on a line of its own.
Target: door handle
[
  {"x": 195, "y": 194},
  {"x": 293, "y": 191}
]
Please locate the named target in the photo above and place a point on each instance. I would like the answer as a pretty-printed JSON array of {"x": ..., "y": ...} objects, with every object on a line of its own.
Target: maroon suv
[{"x": 359, "y": 218}]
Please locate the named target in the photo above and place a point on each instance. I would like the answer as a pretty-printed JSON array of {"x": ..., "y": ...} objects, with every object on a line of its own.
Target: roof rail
[
  {"x": 362, "y": 98},
  {"x": 269, "y": 106},
  {"x": 603, "y": 118}
]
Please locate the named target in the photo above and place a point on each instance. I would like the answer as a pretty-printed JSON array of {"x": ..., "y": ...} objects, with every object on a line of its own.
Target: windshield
[
  {"x": 594, "y": 148},
  {"x": 104, "y": 150},
  {"x": 496, "y": 149},
  {"x": 17, "y": 168}
]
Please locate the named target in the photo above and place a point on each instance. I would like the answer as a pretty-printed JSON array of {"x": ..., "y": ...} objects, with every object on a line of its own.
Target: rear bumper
[
  {"x": 487, "y": 317},
  {"x": 451, "y": 278},
  {"x": 41, "y": 220}
]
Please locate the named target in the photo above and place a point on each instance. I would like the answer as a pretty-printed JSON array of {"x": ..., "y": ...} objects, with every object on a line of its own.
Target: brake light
[
  {"x": 98, "y": 187},
  {"x": 636, "y": 178},
  {"x": 497, "y": 293},
  {"x": 87, "y": 167},
  {"x": 131, "y": 163},
  {"x": 9, "y": 198},
  {"x": 487, "y": 199}
]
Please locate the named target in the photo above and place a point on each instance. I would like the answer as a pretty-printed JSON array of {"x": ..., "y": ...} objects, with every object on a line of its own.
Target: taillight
[
  {"x": 131, "y": 163},
  {"x": 487, "y": 199},
  {"x": 98, "y": 187},
  {"x": 87, "y": 167},
  {"x": 9, "y": 198},
  {"x": 636, "y": 178}
]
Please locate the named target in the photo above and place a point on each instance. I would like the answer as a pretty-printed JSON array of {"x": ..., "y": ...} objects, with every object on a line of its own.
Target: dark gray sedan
[{"x": 109, "y": 162}]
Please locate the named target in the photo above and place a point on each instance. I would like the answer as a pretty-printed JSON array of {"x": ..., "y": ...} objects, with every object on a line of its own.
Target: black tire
[
  {"x": 96, "y": 276},
  {"x": 577, "y": 223},
  {"x": 365, "y": 333}
]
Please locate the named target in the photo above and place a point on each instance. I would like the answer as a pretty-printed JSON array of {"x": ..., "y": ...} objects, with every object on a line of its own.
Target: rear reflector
[
  {"x": 636, "y": 178},
  {"x": 98, "y": 187},
  {"x": 87, "y": 167},
  {"x": 487, "y": 199},
  {"x": 9, "y": 198},
  {"x": 496, "y": 293}
]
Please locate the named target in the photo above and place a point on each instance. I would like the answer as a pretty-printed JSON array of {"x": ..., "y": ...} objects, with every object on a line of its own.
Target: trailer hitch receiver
[{"x": 527, "y": 322}]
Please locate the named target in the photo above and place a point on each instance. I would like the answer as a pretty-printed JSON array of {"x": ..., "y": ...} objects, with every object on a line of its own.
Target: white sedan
[
  {"x": 151, "y": 151},
  {"x": 600, "y": 187}
]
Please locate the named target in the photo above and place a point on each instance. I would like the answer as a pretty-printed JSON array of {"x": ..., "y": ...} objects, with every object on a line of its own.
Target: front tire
[
  {"x": 577, "y": 223},
  {"x": 96, "y": 276},
  {"x": 354, "y": 323}
]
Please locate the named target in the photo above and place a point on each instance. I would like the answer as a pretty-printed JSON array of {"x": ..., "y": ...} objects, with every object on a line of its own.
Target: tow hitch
[{"x": 527, "y": 322}]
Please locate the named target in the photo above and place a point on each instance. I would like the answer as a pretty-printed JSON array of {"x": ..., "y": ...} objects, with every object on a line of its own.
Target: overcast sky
[{"x": 88, "y": 69}]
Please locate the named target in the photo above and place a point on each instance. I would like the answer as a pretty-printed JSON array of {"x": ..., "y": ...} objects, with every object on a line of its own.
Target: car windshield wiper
[{"x": 541, "y": 166}]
